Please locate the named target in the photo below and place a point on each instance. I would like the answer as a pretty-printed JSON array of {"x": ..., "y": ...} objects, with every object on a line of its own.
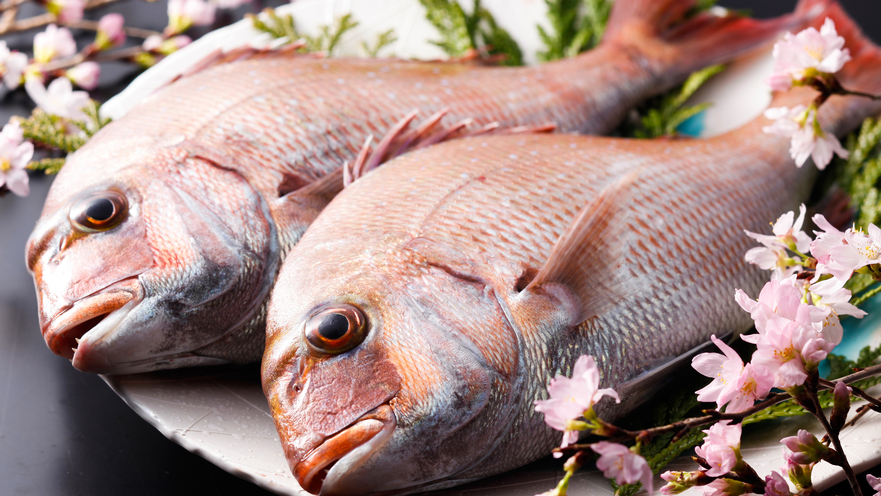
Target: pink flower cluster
[
  {"x": 797, "y": 319},
  {"x": 15, "y": 153},
  {"x": 573, "y": 398},
  {"x": 799, "y": 60},
  {"x": 570, "y": 398}
]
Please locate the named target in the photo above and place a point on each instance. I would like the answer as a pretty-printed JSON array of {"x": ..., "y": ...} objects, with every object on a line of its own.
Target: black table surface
[{"x": 63, "y": 432}]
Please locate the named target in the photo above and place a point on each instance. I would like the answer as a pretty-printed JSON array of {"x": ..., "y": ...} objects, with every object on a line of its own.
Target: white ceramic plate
[{"x": 221, "y": 413}]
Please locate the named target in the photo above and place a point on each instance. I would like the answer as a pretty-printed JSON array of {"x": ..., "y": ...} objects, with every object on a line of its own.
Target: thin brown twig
[
  {"x": 11, "y": 4},
  {"x": 841, "y": 459},
  {"x": 41, "y": 20},
  {"x": 8, "y": 18},
  {"x": 854, "y": 390},
  {"x": 93, "y": 26},
  {"x": 687, "y": 424},
  {"x": 91, "y": 55}
]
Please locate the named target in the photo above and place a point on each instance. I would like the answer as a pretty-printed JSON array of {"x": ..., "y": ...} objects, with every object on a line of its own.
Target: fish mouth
[
  {"x": 320, "y": 470},
  {"x": 65, "y": 333}
]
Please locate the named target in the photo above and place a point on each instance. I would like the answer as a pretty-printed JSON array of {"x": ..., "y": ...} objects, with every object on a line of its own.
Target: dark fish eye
[
  {"x": 336, "y": 329},
  {"x": 98, "y": 211}
]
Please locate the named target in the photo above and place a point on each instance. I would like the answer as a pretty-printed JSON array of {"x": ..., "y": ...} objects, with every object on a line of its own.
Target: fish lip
[
  {"x": 344, "y": 451},
  {"x": 64, "y": 330}
]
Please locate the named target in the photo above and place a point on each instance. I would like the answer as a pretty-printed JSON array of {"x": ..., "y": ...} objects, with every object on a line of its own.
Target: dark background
[{"x": 63, "y": 432}]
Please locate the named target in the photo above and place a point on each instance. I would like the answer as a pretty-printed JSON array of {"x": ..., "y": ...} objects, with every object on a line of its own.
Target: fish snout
[
  {"x": 331, "y": 467},
  {"x": 73, "y": 331}
]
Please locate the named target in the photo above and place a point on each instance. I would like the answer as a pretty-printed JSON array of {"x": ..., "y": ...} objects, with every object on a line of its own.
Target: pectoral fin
[{"x": 586, "y": 257}]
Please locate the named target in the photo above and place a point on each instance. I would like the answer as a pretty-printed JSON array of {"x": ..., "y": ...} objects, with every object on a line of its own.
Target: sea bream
[
  {"x": 161, "y": 237},
  {"x": 429, "y": 305}
]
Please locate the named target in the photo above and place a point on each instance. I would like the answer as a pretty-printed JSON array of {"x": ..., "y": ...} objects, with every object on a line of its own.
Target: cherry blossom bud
[
  {"x": 85, "y": 75},
  {"x": 726, "y": 487},
  {"x": 800, "y": 475},
  {"x": 805, "y": 448},
  {"x": 875, "y": 483},
  {"x": 66, "y": 10},
  {"x": 840, "y": 406},
  {"x": 678, "y": 482},
  {"x": 775, "y": 485},
  {"x": 53, "y": 43},
  {"x": 110, "y": 31},
  {"x": 12, "y": 65}
]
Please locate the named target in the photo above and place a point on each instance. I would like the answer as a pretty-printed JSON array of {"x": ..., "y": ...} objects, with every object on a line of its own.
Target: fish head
[
  {"x": 386, "y": 372},
  {"x": 145, "y": 255}
]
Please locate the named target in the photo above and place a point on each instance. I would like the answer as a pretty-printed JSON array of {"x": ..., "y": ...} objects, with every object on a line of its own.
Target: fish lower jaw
[
  {"x": 65, "y": 333},
  {"x": 323, "y": 470}
]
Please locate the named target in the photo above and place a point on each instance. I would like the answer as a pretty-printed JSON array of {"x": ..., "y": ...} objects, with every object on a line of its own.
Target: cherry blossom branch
[
  {"x": 93, "y": 26},
  {"x": 827, "y": 384},
  {"x": 839, "y": 457},
  {"x": 11, "y": 4},
  {"x": 682, "y": 426},
  {"x": 41, "y": 20},
  {"x": 91, "y": 55}
]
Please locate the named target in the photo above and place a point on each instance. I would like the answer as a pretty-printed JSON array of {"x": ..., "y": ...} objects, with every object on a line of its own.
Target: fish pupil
[
  {"x": 100, "y": 210},
  {"x": 333, "y": 326}
]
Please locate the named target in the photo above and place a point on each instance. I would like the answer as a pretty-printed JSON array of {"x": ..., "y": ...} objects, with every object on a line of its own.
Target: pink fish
[
  {"x": 161, "y": 238},
  {"x": 429, "y": 305}
]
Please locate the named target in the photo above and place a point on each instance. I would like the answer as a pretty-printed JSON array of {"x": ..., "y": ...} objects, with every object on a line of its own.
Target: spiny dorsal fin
[
  {"x": 400, "y": 139},
  {"x": 586, "y": 256},
  {"x": 219, "y": 57}
]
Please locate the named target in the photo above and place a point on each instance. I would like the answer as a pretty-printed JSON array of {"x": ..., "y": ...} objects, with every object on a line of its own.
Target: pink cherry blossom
[
  {"x": 53, "y": 43},
  {"x": 875, "y": 483},
  {"x": 787, "y": 235},
  {"x": 678, "y": 482},
  {"x": 570, "y": 398},
  {"x": 111, "y": 31},
  {"x": 85, "y": 75},
  {"x": 781, "y": 298},
  {"x": 808, "y": 137},
  {"x": 59, "y": 98},
  {"x": 15, "y": 153},
  {"x": 67, "y": 10},
  {"x": 185, "y": 13},
  {"x": 807, "y": 53},
  {"x": 721, "y": 448},
  {"x": 827, "y": 239},
  {"x": 788, "y": 348},
  {"x": 12, "y": 65},
  {"x": 626, "y": 467},
  {"x": 734, "y": 383},
  {"x": 775, "y": 485}
]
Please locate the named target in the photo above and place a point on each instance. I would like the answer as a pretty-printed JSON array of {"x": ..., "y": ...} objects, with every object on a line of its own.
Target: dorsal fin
[
  {"x": 586, "y": 256},
  {"x": 400, "y": 140}
]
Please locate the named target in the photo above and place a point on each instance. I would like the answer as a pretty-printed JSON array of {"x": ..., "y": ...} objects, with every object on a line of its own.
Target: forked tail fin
[{"x": 668, "y": 35}]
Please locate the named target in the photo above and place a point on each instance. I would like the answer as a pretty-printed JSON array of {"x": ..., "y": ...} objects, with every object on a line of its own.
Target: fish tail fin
[{"x": 679, "y": 41}]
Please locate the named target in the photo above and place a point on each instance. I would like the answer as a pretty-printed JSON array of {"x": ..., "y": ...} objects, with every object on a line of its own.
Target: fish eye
[
  {"x": 336, "y": 329},
  {"x": 98, "y": 211}
]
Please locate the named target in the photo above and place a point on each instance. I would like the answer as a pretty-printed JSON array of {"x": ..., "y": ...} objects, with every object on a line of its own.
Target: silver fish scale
[{"x": 500, "y": 203}]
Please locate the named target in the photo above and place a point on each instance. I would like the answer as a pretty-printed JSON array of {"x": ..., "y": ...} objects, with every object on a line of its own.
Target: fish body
[
  {"x": 427, "y": 308},
  {"x": 202, "y": 189}
]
